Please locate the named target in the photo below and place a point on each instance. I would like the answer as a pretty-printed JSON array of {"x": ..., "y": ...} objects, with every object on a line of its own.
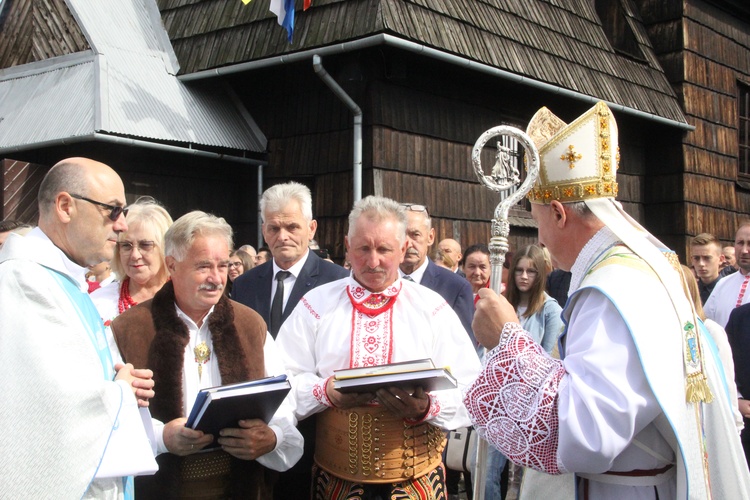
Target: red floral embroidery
[
  {"x": 432, "y": 411},
  {"x": 319, "y": 392}
]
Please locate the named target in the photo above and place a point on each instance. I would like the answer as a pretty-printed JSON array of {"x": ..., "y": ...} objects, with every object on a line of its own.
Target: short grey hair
[
  {"x": 65, "y": 176},
  {"x": 379, "y": 209},
  {"x": 580, "y": 209},
  {"x": 275, "y": 198},
  {"x": 146, "y": 213},
  {"x": 181, "y": 235},
  {"x": 425, "y": 214}
]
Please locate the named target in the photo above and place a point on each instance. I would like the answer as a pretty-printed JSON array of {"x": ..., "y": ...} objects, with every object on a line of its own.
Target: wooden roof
[
  {"x": 35, "y": 31},
  {"x": 559, "y": 42}
]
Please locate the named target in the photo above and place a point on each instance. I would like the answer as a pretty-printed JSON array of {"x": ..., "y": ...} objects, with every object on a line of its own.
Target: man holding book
[
  {"x": 193, "y": 337},
  {"x": 375, "y": 318}
]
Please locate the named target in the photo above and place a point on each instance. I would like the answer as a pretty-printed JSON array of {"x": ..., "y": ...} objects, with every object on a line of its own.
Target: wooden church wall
[
  {"x": 705, "y": 52},
  {"x": 21, "y": 182}
]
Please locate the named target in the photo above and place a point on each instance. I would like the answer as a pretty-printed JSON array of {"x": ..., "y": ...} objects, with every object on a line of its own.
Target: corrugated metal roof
[
  {"x": 142, "y": 100},
  {"x": 49, "y": 105},
  {"x": 128, "y": 87}
]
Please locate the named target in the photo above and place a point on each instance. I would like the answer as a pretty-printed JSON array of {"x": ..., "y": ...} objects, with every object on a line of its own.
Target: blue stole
[{"x": 90, "y": 318}]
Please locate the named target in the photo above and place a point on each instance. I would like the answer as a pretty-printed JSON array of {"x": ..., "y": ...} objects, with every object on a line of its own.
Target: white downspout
[{"x": 357, "y": 145}]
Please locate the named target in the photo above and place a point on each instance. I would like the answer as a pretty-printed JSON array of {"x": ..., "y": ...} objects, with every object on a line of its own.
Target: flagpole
[{"x": 505, "y": 179}]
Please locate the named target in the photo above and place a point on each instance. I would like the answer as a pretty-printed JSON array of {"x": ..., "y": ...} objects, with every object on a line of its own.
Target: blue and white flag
[{"x": 284, "y": 10}]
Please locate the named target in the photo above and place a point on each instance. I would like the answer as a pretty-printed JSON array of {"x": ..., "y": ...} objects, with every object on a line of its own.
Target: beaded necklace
[{"x": 125, "y": 301}]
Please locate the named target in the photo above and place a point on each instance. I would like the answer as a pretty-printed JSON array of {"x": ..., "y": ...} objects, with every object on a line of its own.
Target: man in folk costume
[
  {"x": 637, "y": 407},
  {"x": 193, "y": 337},
  {"x": 388, "y": 443},
  {"x": 62, "y": 396},
  {"x": 732, "y": 291}
]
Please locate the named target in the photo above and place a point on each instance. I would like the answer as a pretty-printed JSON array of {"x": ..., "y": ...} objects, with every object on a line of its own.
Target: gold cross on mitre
[{"x": 571, "y": 156}]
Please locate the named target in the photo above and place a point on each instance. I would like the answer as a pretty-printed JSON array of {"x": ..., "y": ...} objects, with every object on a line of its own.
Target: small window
[
  {"x": 617, "y": 28},
  {"x": 744, "y": 128}
]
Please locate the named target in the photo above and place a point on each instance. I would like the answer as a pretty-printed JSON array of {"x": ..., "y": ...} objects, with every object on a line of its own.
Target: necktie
[
  {"x": 743, "y": 288},
  {"x": 409, "y": 278},
  {"x": 278, "y": 302}
]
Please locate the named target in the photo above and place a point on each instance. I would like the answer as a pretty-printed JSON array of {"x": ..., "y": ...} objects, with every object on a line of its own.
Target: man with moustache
[
  {"x": 387, "y": 444},
  {"x": 193, "y": 337},
  {"x": 731, "y": 292},
  {"x": 62, "y": 396},
  {"x": 416, "y": 267}
]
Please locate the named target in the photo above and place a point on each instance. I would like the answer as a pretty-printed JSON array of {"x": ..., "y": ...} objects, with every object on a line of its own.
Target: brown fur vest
[{"x": 151, "y": 335}]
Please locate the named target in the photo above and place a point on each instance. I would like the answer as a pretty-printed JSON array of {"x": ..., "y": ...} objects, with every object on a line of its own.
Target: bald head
[
  {"x": 72, "y": 175},
  {"x": 452, "y": 249},
  {"x": 76, "y": 199}
]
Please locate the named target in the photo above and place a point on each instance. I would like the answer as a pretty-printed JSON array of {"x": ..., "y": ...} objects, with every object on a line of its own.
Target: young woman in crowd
[
  {"x": 539, "y": 315},
  {"x": 239, "y": 263},
  {"x": 538, "y": 312}
]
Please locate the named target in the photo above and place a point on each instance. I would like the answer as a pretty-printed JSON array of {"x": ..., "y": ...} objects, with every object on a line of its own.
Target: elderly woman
[{"x": 138, "y": 262}]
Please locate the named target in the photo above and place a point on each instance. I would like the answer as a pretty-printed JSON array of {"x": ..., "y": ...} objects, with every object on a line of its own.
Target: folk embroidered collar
[{"x": 370, "y": 303}]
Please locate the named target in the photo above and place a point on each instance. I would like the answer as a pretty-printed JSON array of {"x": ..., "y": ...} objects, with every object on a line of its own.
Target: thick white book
[{"x": 406, "y": 375}]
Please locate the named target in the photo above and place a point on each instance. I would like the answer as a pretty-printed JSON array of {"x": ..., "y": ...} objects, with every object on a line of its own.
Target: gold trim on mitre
[{"x": 577, "y": 161}]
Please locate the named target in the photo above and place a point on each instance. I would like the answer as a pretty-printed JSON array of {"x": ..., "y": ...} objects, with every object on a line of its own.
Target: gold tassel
[{"x": 697, "y": 389}]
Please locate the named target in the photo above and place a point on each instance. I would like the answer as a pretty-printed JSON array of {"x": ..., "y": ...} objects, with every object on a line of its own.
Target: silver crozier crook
[{"x": 503, "y": 178}]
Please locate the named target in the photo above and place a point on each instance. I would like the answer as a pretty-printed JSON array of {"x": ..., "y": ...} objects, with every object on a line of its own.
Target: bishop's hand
[{"x": 491, "y": 314}]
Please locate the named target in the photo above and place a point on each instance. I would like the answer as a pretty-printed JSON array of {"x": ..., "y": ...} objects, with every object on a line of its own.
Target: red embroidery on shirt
[
  {"x": 319, "y": 392},
  {"x": 309, "y": 308},
  {"x": 371, "y": 339},
  {"x": 439, "y": 308}
]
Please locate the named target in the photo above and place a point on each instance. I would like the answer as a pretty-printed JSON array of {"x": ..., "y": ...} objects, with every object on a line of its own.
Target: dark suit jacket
[
  {"x": 738, "y": 334},
  {"x": 253, "y": 288},
  {"x": 455, "y": 290}
]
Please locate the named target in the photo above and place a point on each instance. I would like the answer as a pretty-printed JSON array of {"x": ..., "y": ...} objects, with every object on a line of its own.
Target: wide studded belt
[
  {"x": 371, "y": 445},
  {"x": 205, "y": 465}
]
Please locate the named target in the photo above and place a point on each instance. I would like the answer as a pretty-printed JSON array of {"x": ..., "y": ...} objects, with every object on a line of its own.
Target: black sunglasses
[{"x": 114, "y": 211}]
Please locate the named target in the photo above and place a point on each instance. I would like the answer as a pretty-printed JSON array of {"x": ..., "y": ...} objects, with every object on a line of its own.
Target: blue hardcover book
[{"x": 221, "y": 407}]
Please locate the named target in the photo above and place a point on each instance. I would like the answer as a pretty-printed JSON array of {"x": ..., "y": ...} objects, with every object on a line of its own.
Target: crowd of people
[{"x": 561, "y": 373}]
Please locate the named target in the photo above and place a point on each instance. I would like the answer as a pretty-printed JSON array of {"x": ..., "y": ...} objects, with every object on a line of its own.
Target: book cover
[
  {"x": 400, "y": 367},
  {"x": 434, "y": 379},
  {"x": 221, "y": 407}
]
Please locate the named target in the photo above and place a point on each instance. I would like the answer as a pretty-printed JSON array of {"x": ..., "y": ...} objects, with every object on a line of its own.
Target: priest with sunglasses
[{"x": 64, "y": 400}]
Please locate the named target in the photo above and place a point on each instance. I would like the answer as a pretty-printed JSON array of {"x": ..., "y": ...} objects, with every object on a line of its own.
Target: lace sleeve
[{"x": 513, "y": 402}]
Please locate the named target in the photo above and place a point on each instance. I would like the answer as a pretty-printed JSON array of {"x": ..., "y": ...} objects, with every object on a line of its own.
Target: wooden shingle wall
[
  {"x": 21, "y": 182},
  {"x": 37, "y": 30},
  {"x": 705, "y": 51}
]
